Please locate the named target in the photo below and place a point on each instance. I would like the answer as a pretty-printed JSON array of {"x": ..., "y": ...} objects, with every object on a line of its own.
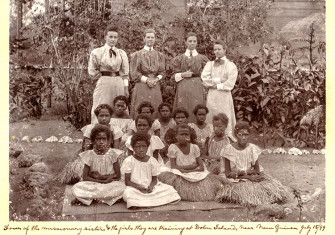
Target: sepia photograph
[{"x": 167, "y": 111}]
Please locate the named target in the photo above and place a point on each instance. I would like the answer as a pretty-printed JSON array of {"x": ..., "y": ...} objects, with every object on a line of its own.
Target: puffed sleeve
[
  {"x": 156, "y": 143},
  {"x": 113, "y": 155},
  {"x": 93, "y": 64},
  {"x": 117, "y": 132},
  {"x": 172, "y": 151},
  {"x": 127, "y": 144},
  {"x": 156, "y": 125},
  {"x": 154, "y": 167},
  {"x": 86, "y": 157},
  {"x": 87, "y": 130},
  {"x": 176, "y": 65},
  {"x": 256, "y": 151},
  {"x": 127, "y": 166},
  {"x": 124, "y": 69},
  {"x": 227, "y": 152},
  {"x": 232, "y": 76},
  {"x": 206, "y": 75},
  {"x": 135, "y": 72},
  {"x": 196, "y": 151}
]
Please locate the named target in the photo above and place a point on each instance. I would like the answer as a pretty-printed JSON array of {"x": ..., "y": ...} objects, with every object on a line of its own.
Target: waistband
[{"x": 108, "y": 73}]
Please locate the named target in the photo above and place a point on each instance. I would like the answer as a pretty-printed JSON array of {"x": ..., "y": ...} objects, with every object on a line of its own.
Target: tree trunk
[{"x": 19, "y": 24}]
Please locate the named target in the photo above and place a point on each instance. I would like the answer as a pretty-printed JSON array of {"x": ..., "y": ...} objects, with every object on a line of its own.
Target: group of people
[
  {"x": 194, "y": 74},
  {"x": 159, "y": 153}
]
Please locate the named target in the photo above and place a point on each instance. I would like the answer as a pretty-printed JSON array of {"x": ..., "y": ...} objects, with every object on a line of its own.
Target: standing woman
[
  {"x": 147, "y": 68},
  {"x": 219, "y": 76},
  {"x": 109, "y": 65},
  {"x": 187, "y": 69}
]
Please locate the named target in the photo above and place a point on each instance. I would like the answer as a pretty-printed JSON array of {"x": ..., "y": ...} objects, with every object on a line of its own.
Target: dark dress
[{"x": 190, "y": 91}]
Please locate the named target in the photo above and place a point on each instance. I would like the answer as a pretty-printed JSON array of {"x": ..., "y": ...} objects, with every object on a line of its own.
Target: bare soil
[{"x": 306, "y": 173}]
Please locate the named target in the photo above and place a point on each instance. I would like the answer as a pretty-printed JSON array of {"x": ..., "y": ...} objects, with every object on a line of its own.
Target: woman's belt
[{"x": 110, "y": 74}]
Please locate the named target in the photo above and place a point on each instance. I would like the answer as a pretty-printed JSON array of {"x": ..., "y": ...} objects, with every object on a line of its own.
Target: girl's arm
[
  {"x": 128, "y": 182},
  {"x": 158, "y": 132},
  {"x": 155, "y": 154},
  {"x": 117, "y": 143},
  {"x": 199, "y": 167},
  {"x": 88, "y": 177},
  {"x": 186, "y": 167},
  {"x": 152, "y": 184},
  {"x": 255, "y": 171}
]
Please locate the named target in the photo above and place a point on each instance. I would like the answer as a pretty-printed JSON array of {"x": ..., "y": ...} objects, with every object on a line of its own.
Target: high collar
[
  {"x": 148, "y": 48},
  {"x": 222, "y": 58},
  {"x": 109, "y": 47},
  {"x": 188, "y": 52}
]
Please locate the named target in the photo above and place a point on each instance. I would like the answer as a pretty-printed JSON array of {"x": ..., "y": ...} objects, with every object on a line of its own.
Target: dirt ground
[{"x": 306, "y": 173}]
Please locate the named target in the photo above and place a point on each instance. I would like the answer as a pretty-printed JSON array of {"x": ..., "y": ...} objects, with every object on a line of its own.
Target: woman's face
[
  {"x": 104, "y": 117},
  {"x": 120, "y": 108},
  {"x": 101, "y": 141},
  {"x": 111, "y": 38},
  {"x": 165, "y": 112},
  {"x": 180, "y": 118},
  {"x": 183, "y": 136},
  {"x": 219, "y": 128},
  {"x": 201, "y": 116},
  {"x": 191, "y": 42},
  {"x": 242, "y": 137},
  {"x": 140, "y": 148},
  {"x": 149, "y": 39},
  {"x": 142, "y": 125},
  {"x": 219, "y": 51}
]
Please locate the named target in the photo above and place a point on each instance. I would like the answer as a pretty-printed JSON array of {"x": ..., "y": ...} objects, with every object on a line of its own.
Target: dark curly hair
[
  {"x": 180, "y": 110},
  {"x": 165, "y": 104},
  {"x": 199, "y": 106},
  {"x": 98, "y": 128},
  {"x": 221, "y": 117},
  {"x": 143, "y": 116},
  {"x": 103, "y": 106},
  {"x": 241, "y": 126},
  {"x": 121, "y": 97},
  {"x": 145, "y": 104},
  {"x": 140, "y": 137},
  {"x": 185, "y": 126}
]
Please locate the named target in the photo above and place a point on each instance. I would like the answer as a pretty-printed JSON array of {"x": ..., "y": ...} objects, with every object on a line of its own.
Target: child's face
[
  {"x": 140, "y": 148},
  {"x": 101, "y": 141},
  {"x": 219, "y": 128},
  {"x": 165, "y": 112},
  {"x": 142, "y": 126},
  {"x": 201, "y": 116},
  {"x": 120, "y": 107},
  {"x": 180, "y": 118},
  {"x": 146, "y": 110},
  {"x": 104, "y": 117},
  {"x": 183, "y": 135},
  {"x": 242, "y": 137}
]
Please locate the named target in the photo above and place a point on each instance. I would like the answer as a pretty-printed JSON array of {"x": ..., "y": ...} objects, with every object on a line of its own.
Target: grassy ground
[{"x": 305, "y": 172}]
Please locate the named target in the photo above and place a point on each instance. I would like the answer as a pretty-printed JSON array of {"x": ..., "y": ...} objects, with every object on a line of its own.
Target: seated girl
[
  {"x": 101, "y": 173},
  {"x": 143, "y": 188},
  {"x": 104, "y": 113},
  {"x": 252, "y": 186},
  {"x": 202, "y": 129},
  {"x": 185, "y": 170},
  {"x": 180, "y": 116},
  {"x": 146, "y": 108},
  {"x": 214, "y": 145},
  {"x": 143, "y": 124},
  {"x": 165, "y": 119},
  {"x": 121, "y": 120}
]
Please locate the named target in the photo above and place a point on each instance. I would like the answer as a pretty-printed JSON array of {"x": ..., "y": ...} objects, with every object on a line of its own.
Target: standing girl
[
  {"x": 187, "y": 69},
  {"x": 219, "y": 76},
  {"x": 214, "y": 145},
  {"x": 109, "y": 66},
  {"x": 143, "y": 124},
  {"x": 147, "y": 68},
  {"x": 101, "y": 173},
  {"x": 252, "y": 186},
  {"x": 202, "y": 129},
  {"x": 186, "y": 172},
  {"x": 141, "y": 171}
]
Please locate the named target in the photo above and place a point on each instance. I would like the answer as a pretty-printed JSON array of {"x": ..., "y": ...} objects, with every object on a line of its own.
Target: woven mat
[{"x": 120, "y": 207}]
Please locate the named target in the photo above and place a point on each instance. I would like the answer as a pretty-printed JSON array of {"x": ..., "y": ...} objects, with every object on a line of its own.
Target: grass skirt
[
  {"x": 248, "y": 193},
  {"x": 73, "y": 170},
  {"x": 204, "y": 190}
]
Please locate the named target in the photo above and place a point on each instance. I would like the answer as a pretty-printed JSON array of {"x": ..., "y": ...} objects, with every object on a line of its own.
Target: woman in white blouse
[
  {"x": 109, "y": 65},
  {"x": 219, "y": 76}
]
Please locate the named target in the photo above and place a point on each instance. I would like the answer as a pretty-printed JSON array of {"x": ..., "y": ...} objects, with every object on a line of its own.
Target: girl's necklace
[{"x": 100, "y": 152}]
